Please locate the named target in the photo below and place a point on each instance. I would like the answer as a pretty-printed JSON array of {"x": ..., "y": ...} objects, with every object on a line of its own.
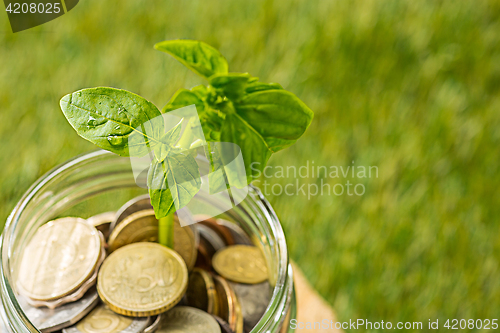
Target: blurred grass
[{"x": 411, "y": 87}]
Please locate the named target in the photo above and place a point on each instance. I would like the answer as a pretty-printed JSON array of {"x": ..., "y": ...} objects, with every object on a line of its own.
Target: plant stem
[
  {"x": 166, "y": 224},
  {"x": 166, "y": 231},
  {"x": 187, "y": 136}
]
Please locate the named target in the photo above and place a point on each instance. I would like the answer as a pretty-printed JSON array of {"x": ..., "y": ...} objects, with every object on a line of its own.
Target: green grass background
[{"x": 411, "y": 87}]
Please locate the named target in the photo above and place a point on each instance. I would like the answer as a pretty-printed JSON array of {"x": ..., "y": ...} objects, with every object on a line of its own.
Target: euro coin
[
  {"x": 239, "y": 236},
  {"x": 229, "y": 306},
  {"x": 3, "y": 329},
  {"x": 185, "y": 243},
  {"x": 77, "y": 294},
  {"x": 130, "y": 207},
  {"x": 239, "y": 320},
  {"x": 241, "y": 263},
  {"x": 253, "y": 300},
  {"x": 211, "y": 236},
  {"x": 204, "y": 255},
  {"x": 142, "y": 226},
  {"x": 209, "y": 243},
  {"x": 224, "y": 326},
  {"x": 102, "y": 222},
  {"x": 201, "y": 292},
  {"x": 155, "y": 323},
  {"x": 216, "y": 226},
  {"x": 142, "y": 279},
  {"x": 184, "y": 319},
  {"x": 51, "y": 320},
  {"x": 60, "y": 257},
  {"x": 103, "y": 320}
]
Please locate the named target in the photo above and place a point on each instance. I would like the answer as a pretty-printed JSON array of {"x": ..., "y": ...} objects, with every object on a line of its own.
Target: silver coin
[
  {"x": 254, "y": 299},
  {"x": 184, "y": 319},
  {"x": 135, "y": 205},
  {"x": 102, "y": 319},
  {"x": 3, "y": 327},
  {"x": 211, "y": 236},
  {"x": 240, "y": 236},
  {"x": 50, "y": 320},
  {"x": 102, "y": 222},
  {"x": 153, "y": 327},
  {"x": 183, "y": 301},
  {"x": 224, "y": 326},
  {"x": 80, "y": 292}
]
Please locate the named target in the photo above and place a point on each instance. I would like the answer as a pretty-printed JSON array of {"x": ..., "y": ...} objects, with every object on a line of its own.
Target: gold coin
[
  {"x": 238, "y": 317},
  {"x": 201, "y": 292},
  {"x": 215, "y": 225},
  {"x": 229, "y": 306},
  {"x": 204, "y": 255},
  {"x": 185, "y": 243},
  {"x": 241, "y": 263},
  {"x": 138, "y": 227},
  {"x": 142, "y": 226},
  {"x": 134, "y": 205},
  {"x": 103, "y": 320},
  {"x": 142, "y": 279},
  {"x": 239, "y": 235},
  {"x": 102, "y": 222},
  {"x": 184, "y": 319},
  {"x": 61, "y": 256}
]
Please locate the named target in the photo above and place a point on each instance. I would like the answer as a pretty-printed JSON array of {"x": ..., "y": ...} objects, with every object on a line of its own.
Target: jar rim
[{"x": 17, "y": 321}]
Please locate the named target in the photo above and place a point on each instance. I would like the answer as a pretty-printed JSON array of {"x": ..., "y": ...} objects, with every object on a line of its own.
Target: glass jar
[{"x": 101, "y": 181}]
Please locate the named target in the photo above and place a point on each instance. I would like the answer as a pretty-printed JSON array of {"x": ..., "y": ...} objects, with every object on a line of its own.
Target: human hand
[{"x": 311, "y": 306}]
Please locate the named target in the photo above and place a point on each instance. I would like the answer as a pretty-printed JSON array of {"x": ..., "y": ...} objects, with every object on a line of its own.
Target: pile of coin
[{"x": 107, "y": 273}]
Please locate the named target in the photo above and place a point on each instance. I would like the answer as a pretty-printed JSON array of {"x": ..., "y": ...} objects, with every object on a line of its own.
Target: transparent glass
[{"x": 100, "y": 181}]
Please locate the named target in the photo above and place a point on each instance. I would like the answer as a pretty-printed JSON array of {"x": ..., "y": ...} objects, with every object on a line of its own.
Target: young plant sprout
[{"x": 259, "y": 118}]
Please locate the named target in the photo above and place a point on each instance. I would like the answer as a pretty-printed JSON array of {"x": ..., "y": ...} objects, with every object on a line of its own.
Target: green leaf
[
  {"x": 260, "y": 86},
  {"x": 114, "y": 119},
  {"x": 181, "y": 172},
  {"x": 159, "y": 193},
  {"x": 211, "y": 123},
  {"x": 231, "y": 85},
  {"x": 253, "y": 146},
  {"x": 209, "y": 118},
  {"x": 201, "y": 91},
  {"x": 253, "y": 79},
  {"x": 172, "y": 136},
  {"x": 168, "y": 141},
  {"x": 217, "y": 180},
  {"x": 182, "y": 98},
  {"x": 201, "y": 58},
  {"x": 262, "y": 123},
  {"x": 226, "y": 169},
  {"x": 278, "y": 116}
]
